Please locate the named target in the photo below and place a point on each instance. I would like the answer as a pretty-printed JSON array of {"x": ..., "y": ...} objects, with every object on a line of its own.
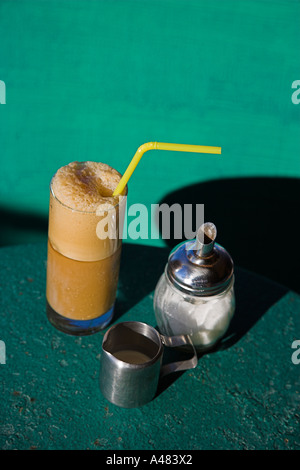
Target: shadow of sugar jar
[{"x": 195, "y": 294}]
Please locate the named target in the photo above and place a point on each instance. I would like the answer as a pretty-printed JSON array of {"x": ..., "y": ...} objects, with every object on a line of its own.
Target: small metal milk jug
[
  {"x": 131, "y": 362},
  {"x": 195, "y": 294}
]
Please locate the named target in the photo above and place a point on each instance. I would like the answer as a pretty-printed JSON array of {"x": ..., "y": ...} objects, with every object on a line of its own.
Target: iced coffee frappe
[{"x": 83, "y": 261}]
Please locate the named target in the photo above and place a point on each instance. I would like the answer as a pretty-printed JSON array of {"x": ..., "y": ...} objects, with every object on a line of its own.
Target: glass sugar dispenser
[{"x": 195, "y": 294}]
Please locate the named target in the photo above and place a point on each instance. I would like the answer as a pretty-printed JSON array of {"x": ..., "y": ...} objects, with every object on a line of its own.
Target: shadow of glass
[
  {"x": 22, "y": 227},
  {"x": 255, "y": 221},
  {"x": 255, "y": 218}
]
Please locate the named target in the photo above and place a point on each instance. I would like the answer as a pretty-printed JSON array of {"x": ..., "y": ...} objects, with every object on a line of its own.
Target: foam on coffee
[
  {"x": 84, "y": 185},
  {"x": 78, "y": 190}
]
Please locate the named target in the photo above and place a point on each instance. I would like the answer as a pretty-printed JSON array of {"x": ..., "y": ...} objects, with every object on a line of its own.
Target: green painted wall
[{"x": 96, "y": 79}]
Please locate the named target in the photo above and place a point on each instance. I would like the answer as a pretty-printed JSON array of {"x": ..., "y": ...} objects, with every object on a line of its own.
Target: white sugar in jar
[{"x": 195, "y": 294}]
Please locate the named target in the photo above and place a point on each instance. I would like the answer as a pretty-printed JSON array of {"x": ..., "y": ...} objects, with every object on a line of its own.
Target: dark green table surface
[{"x": 243, "y": 395}]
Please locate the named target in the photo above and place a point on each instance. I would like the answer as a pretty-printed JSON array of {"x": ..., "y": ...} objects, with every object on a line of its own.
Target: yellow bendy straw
[{"x": 160, "y": 146}]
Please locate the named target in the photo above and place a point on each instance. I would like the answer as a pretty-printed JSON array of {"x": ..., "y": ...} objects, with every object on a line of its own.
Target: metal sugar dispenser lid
[{"x": 201, "y": 267}]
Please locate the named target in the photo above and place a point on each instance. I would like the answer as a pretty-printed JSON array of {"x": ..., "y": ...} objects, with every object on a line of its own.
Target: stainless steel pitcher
[{"x": 131, "y": 362}]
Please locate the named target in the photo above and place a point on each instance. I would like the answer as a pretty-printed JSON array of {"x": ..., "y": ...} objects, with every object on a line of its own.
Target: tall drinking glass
[{"x": 84, "y": 247}]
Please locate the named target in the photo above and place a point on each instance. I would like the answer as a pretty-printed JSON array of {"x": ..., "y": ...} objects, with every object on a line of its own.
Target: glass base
[{"x": 79, "y": 327}]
